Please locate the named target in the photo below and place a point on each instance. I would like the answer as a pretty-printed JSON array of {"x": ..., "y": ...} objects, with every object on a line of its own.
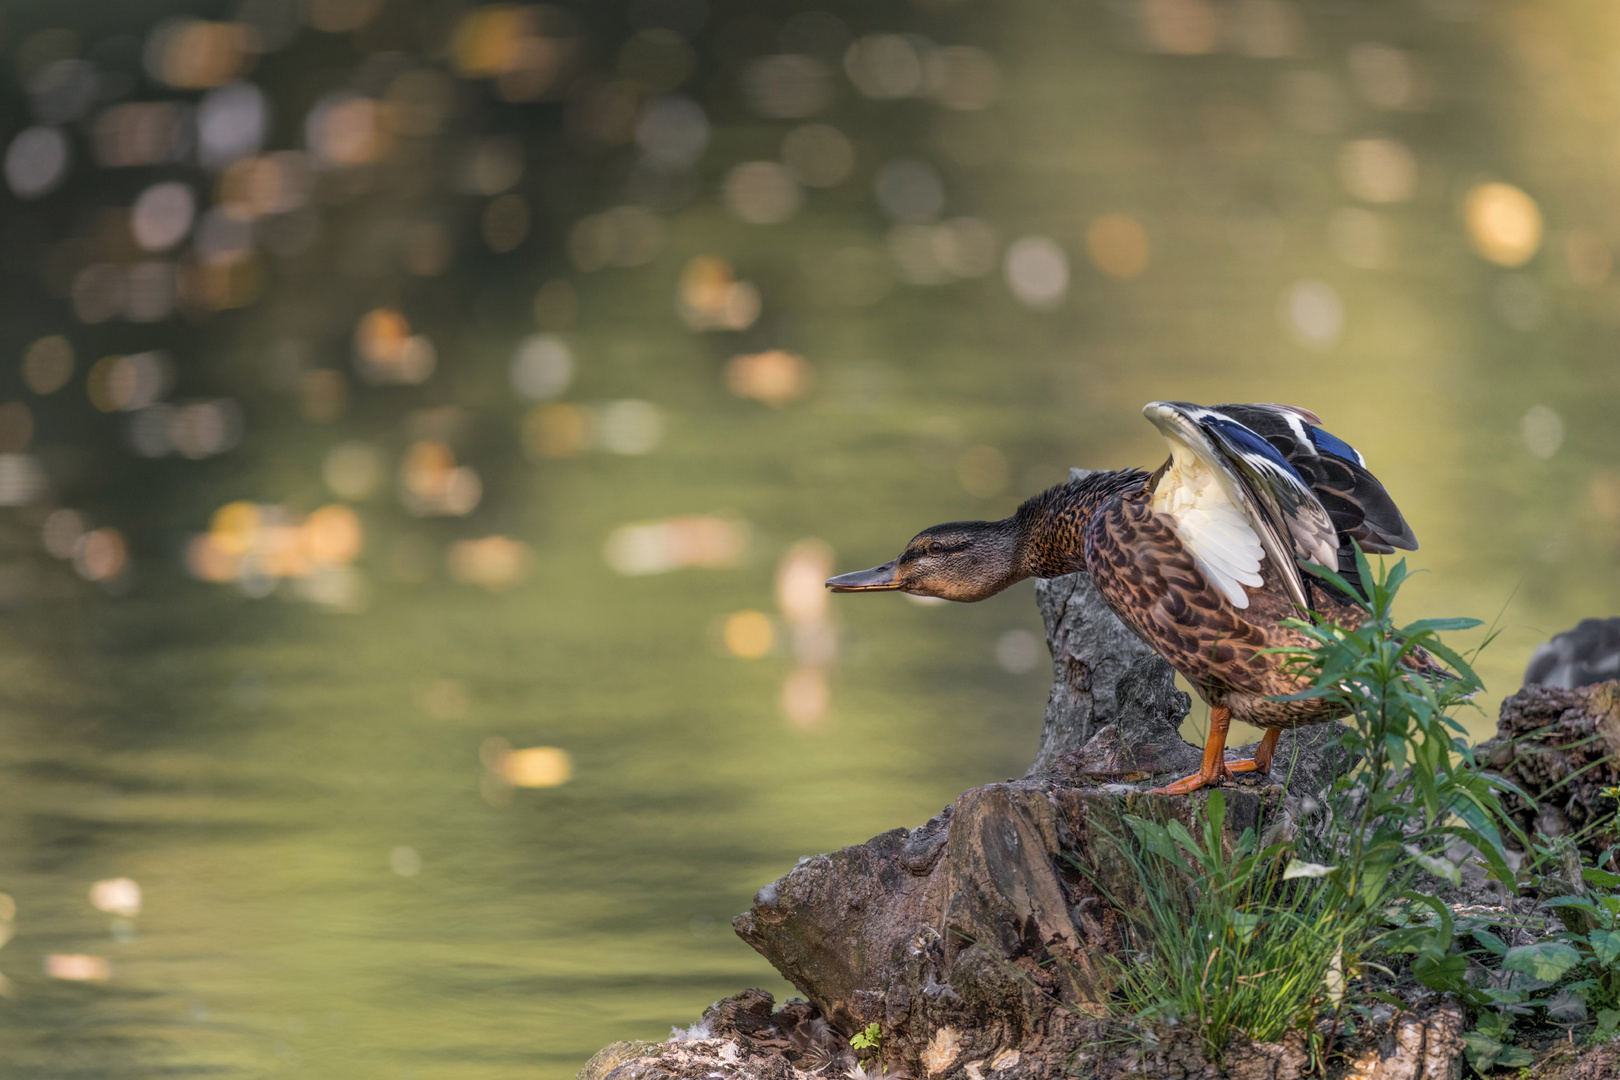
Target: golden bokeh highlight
[
  {"x": 256, "y": 545},
  {"x": 1118, "y": 245},
  {"x": 710, "y": 297},
  {"x": 387, "y": 351},
  {"x": 431, "y": 484},
  {"x": 77, "y": 967},
  {"x": 774, "y": 377},
  {"x": 194, "y": 54},
  {"x": 334, "y": 534},
  {"x": 1504, "y": 223},
  {"x": 528, "y": 50},
  {"x": 748, "y": 634},
  {"x": 557, "y": 430},
  {"x": 349, "y": 131},
  {"x": 693, "y": 540},
  {"x": 528, "y": 767},
  {"x": 496, "y": 563}
]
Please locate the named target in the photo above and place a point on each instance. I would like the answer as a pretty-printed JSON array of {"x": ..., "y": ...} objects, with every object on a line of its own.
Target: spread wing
[
  {"x": 1248, "y": 481},
  {"x": 1357, "y": 504}
]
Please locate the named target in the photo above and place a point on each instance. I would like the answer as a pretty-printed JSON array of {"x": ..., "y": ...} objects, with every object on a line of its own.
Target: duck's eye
[{"x": 935, "y": 546}]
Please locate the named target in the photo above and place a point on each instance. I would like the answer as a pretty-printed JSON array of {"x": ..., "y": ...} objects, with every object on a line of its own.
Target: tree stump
[{"x": 1562, "y": 748}]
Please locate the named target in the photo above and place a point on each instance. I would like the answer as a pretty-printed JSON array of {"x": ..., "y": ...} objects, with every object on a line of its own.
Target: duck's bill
[{"x": 877, "y": 579}]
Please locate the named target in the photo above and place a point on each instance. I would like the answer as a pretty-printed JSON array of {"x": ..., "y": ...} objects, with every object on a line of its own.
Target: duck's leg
[
  {"x": 1214, "y": 766},
  {"x": 1261, "y": 762}
]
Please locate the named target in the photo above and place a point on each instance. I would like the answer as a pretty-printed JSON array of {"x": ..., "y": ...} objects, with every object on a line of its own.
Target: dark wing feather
[{"x": 1360, "y": 508}]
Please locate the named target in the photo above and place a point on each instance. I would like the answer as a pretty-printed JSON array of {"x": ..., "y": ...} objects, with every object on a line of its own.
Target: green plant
[
  {"x": 1272, "y": 938},
  {"x": 1231, "y": 945},
  {"x": 1571, "y": 976},
  {"x": 868, "y": 1038}
]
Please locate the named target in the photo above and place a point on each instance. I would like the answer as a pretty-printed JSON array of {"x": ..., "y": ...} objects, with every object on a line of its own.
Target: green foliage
[
  {"x": 868, "y": 1038},
  {"x": 1228, "y": 945},
  {"x": 1273, "y": 937},
  {"x": 1570, "y": 978}
]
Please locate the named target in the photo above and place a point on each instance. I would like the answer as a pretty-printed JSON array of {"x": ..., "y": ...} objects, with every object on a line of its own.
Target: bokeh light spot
[
  {"x": 100, "y": 555},
  {"x": 48, "y": 364},
  {"x": 162, "y": 215},
  {"x": 774, "y": 377},
  {"x": 818, "y": 154},
  {"x": 748, "y": 634},
  {"x": 1037, "y": 272},
  {"x": 630, "y": 427},
  {"x": 1542, "y": 430},
  {"x": 1180, "y": 27},
  {"x": 1503, "y": 222},
  {"x": 496, "y": 563},
  {"x": 1378, "y": 170},
  {"x": 1312, "y": 313},
  {"x": 557, "y": 431},
  {"x": 661, "y": 546},
  {"x": 1118, "y": 245},
  {"x": 761, "y": 193},
  {"x": 542, "y": 367},
  {"x": 536, "y": 767},
  {"x": 37, "y": 162},
  {"x": 117, "y": 896}
]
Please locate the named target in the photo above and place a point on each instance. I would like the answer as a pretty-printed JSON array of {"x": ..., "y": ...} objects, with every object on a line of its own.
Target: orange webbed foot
[{"x": 1195, "y": 781}]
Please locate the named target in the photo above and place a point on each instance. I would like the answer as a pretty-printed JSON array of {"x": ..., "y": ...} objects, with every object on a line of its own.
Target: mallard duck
[
  {"x": 1590, "y": 653},
  {"x": 1204, "y": 558}
]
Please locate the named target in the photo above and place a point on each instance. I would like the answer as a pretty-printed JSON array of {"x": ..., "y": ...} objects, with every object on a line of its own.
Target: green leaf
[
  {"x": 1483, "y": 1051},
  {"x": 1298, "y": 869},
  {"x": 1605, "y": 945},
  {"x": 1569, "y": 902},
  {"x": 1216, "y": 810},
  {"x": 1423, "y": 626},
  {"x": 1493, "y": 944},
  {"x": 1178, "y": 832},
  {"x": 1513, "y": 1057},
  {"x": 1444, "y": 869},
  {"x": 1152, "y": 836},
  {"x": 1608, "y": 1021},
  {"x": 1440, "y": 973},
  {"x": 1601, "y": 878},
  {"x": 1546, "y": 960}
]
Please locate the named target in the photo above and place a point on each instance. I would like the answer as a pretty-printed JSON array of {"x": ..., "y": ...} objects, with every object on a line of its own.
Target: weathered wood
[
  {"x": 985, "y": 924},
  {"x": 1562, "y": 748}
]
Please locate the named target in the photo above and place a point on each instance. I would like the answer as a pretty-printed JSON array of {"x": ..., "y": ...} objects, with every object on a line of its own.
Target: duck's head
[{"x": 959, "y": 560}]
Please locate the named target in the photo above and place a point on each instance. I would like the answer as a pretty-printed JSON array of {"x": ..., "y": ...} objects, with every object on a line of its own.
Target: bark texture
[{"x": 1562, "y": 748}]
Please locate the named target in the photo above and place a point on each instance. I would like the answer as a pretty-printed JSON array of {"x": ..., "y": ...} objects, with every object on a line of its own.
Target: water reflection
[{"x": 429, "y": 426}]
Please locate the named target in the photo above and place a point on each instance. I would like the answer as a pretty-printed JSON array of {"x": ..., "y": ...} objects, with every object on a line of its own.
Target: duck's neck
[{"x": 1051, "y": 527}]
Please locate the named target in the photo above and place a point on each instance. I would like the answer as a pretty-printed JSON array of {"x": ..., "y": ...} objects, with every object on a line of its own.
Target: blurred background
[{"x": 425, "y": 427}]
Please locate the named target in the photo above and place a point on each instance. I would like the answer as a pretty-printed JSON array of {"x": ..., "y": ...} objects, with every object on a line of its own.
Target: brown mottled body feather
[{"x": 1145, "y": 574}]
